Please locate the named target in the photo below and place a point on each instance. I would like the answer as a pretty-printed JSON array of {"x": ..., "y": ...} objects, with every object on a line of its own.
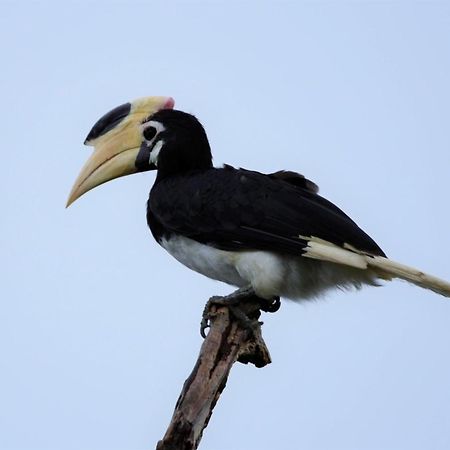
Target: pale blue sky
[{"x": 99, "y": 326}]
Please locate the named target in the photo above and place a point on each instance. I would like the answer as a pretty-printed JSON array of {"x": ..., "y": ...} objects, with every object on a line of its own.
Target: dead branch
[{"x": 227, "y": 342}]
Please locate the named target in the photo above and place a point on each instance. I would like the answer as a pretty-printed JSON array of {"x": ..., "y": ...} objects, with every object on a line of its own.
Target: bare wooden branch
[{"x": 226, "y": 343}]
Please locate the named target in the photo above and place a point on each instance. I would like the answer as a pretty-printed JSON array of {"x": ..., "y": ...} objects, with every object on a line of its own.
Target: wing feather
[{"x": 237, "y": 209}]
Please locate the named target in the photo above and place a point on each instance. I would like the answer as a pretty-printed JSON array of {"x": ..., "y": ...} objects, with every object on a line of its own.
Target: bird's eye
[{"x": 150, "y": 133}]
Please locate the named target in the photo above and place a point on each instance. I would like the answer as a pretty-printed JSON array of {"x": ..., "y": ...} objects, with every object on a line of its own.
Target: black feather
[{"x": 237, "y": 209}]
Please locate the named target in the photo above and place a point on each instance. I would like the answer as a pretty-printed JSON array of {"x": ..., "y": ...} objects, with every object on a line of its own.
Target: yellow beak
[{"x": 116, "y": 139}]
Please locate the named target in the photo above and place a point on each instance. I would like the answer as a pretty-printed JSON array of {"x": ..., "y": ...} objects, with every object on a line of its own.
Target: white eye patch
[
  {"x": 151, "y": 129},
  {"x": 155, "y": 152}
]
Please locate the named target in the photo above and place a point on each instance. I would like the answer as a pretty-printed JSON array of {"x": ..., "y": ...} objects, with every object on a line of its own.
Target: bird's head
[
  {"x": 173, "y": 142},
  {"x": 145, "y": 134}
]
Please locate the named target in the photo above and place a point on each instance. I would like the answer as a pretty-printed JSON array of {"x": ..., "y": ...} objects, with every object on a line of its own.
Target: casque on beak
[{"x": 116, "y": 139}]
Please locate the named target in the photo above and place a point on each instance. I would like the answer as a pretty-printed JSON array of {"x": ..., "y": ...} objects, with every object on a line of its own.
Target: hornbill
[{"x": 270, "y": 235}]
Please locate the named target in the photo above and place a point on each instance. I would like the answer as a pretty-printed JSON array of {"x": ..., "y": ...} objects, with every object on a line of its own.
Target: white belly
[{"x": 269, "y": 274}]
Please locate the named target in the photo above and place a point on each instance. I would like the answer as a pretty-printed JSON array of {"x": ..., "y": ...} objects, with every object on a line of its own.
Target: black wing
[
  {"x": 296, "y": 179},
  {"x": 237, "y": 209}
]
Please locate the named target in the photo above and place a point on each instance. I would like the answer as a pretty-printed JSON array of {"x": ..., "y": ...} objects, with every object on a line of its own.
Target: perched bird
[{"x": 272, "y": 235}]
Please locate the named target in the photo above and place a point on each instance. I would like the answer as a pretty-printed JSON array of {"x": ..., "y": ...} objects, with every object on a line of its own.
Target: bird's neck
[
  {"x": 163, "y": 175},
  {"x": 170, "y": 167}
]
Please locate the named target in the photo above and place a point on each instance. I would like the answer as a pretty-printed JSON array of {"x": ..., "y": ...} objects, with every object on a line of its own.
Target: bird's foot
[
  {"x": 233, "y": 302},
  {"x": 269, "y": 305}
]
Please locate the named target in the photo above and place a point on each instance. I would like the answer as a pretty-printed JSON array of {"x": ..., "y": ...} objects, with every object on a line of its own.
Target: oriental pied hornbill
[{"x": 268, "y": 234}]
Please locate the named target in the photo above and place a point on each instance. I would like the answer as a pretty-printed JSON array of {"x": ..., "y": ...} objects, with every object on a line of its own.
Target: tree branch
[{"x": 227, "y": 342}]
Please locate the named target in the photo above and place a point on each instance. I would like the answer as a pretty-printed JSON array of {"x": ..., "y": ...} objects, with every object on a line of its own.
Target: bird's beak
[{"x": 116, "y": 139}]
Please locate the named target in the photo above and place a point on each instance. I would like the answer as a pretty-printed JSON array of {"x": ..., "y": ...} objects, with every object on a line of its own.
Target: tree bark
[{"x": 227, "y": 342}]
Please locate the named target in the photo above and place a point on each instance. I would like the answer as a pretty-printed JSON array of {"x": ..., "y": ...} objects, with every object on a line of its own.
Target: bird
[{"x": 269, "y": 235}]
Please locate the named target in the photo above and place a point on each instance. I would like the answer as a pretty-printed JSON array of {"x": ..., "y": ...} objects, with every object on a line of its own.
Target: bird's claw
[
  {"x": 204, "y": 324},
  {"x": 239, "y": 315},
  {"x": 272, "y": 305},
  {"x": 232, "y": 302}
]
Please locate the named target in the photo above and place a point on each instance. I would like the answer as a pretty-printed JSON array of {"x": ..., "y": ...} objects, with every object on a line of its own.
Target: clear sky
[{"x": 99, "y": 326}]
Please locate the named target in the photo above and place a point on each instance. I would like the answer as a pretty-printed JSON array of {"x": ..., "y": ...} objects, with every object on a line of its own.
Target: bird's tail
[
  {"x": 394, "y": 269},
  {"x": 383, "y": 267}
]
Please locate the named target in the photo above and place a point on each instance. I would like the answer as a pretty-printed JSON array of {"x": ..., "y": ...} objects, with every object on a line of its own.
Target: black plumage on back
[{"x": 238, "y": 209}]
